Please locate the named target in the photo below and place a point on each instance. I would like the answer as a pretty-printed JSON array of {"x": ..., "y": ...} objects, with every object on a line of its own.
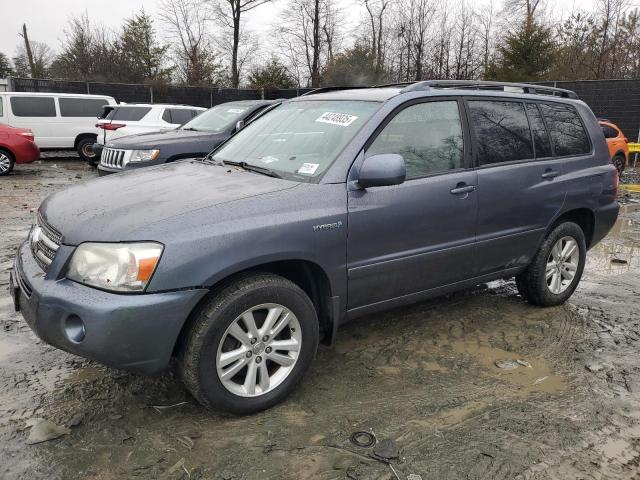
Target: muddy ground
[{"x": 422, "y": 379}]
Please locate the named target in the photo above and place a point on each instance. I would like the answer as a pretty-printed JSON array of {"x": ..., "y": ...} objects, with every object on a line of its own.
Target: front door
[{"x": 406, "y": 239}]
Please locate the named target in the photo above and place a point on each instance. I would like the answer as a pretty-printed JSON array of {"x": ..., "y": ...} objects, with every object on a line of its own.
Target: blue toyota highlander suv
[{"x": 330, "y": 206}]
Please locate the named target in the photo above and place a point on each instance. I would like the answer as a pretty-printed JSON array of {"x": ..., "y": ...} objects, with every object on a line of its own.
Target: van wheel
[
  {"x": 249, "y": 344},
  {"x": 85, "y": 150},
  {"x": 618, "y": 162},
  {"x": 556, "y": 269},
  {"x": 6, "y": 162}
]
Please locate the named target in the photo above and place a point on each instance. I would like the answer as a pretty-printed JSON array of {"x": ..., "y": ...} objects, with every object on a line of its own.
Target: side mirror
[
  {"x": 382, "y": 170},
  {"x": 239, "y": 125}
]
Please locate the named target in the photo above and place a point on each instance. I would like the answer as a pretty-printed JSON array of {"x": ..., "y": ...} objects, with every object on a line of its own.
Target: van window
[
  {"x": 33, "y": 106},
  {"x": 567, "y": 133},
  {"x": 81, "y": 107},
  {"x": 131, "y": 114},
  {"x": 501, "y": 130},
  {"x": 540, "y": 135},
  {"x": 427, "y": 135},
  {"x": 178, "y": 115}
]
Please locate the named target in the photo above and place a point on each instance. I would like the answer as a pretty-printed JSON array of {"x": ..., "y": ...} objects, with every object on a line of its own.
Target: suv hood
[
  {"x": 151, "y": 140},
  {"x": 118, "y": 207}
]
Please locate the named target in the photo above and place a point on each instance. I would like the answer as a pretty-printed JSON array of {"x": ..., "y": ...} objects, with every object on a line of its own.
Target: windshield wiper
[
  {"x": 254, "y": 168},
  {"x": 190, "y": 129}
]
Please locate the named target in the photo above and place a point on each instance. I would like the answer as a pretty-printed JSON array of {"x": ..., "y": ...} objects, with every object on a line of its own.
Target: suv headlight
[
  {"x": 119, "y": 267},
  {"x": 143, "y": 155}
]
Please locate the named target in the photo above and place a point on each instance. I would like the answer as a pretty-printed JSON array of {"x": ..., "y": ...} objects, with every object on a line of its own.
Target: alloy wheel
[
  {"x": 562, "y": 265},
  {"x": 259, "y": 350},
  {"x": 5, "y": 163},
  {"x": 87, "y": 150}
]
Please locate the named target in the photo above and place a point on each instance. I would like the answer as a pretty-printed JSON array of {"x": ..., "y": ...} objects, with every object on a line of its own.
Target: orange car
[{"x": 617, "y": 143}]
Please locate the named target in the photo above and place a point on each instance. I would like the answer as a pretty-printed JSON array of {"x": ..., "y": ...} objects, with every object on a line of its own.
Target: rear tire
[
  {"x": 618, "y": 162},
  {"x": 7, "y": 162},
  {"x": 228, "y": 364},
  {"x": 557, "y": 267},
  {"x": 85, "y": 151}
]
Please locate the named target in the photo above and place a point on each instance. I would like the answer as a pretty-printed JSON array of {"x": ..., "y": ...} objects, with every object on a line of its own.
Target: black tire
[
  {"x": 6, "y": 157},
  {"x": 85, "y": 151},
  {"x": 618, "y": 162},
  {"x": 199, "y": 347},
  {"x": 532, "y": 283}
]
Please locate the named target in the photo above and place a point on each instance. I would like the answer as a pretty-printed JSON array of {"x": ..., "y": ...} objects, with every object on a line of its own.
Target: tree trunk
[
  {"x": 235, "y": 74},
  {"x": 315, "y": 65}
]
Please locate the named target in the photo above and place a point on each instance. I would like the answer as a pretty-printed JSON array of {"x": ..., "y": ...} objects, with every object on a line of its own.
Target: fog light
[{"x": 74, "y": 329}]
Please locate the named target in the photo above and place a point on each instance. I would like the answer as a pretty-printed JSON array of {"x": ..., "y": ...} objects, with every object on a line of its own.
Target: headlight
[
  {"x": 120, "y": 267},
  {"x": 144, "y": 155}
]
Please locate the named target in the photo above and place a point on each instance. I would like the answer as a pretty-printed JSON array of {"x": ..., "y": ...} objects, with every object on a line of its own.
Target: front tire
[
  {"x": 249, "y": 344},
  {"x": 85, "y": 151},
  {"x": 7, "y": 162},
  {"x": 557, "y": 267}
]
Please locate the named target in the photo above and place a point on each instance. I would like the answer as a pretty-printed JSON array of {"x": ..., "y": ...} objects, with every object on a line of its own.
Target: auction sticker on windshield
[
  {"x": 342, "y": 119},
  {"x": 308, "y": 168}
]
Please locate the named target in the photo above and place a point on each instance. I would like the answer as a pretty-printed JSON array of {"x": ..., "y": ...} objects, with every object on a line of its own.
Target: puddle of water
[
  {"x": 540, "y": 377},
  {"x": 622, "y": 245}
]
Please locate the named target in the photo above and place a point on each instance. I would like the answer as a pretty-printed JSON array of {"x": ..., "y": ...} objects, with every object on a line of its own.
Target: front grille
[
  {"x": 44, "y": 241},
  {"x": 113, "y": 158}
]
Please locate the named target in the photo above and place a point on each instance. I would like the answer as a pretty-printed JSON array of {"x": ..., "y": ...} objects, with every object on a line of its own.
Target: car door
[
  {"x": 406, "y": 239},
  {"x": 520, "y": 183}
]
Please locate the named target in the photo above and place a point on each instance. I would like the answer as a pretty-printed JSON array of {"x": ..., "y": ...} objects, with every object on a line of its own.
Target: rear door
[
  {"x": 406, "y": 239},
  {"x": 520, "y": 184}
]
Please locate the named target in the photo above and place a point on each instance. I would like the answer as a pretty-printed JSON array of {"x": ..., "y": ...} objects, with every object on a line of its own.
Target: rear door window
[
  {"x": 566, "y": 129},
  {"x": 81, "y": 107},
  {"x": 131, "y": 114},
  {"x": 33, "y": 106},
  {"x": 501, "y": 131},
  {"x": 541, "y": 139},
  {"x": 427, "y": 135},
  {"x": 178, "y": 115}
]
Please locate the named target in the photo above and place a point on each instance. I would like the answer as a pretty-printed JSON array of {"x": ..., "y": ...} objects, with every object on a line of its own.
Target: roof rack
[
  {"x": 331, "y": 89},
  {"x": 486, "y": 85}
]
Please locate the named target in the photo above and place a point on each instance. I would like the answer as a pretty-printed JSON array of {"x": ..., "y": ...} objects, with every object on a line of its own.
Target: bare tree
[
  {"x": 376, "y": 13},
  {"x": 188, "y": 24},
  {"x": 230, "y": 12},
  {"x": 307, "y": 36}
]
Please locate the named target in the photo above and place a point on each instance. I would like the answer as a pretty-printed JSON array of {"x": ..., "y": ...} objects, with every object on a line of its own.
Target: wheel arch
[
  {"x": 307, "y": 275},
  {"x": 583, "y": 217},
  {"x": 82, "y": 136}
]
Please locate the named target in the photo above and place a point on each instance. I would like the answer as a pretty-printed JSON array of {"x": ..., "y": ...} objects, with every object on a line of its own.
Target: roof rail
[
  {"x": 331, "y": 89},
  {"x": 487, "y": 85}
]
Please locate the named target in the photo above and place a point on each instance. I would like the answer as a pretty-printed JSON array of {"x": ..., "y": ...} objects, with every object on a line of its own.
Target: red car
[{"x": 16, "y": 146}]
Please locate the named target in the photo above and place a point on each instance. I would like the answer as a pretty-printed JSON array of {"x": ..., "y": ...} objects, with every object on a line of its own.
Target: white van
[{"x": 58, "y": 120}]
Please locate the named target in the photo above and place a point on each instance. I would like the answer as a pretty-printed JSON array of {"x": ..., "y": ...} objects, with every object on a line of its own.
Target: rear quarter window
[
  {"x": 81, "y": 107},
  {"x": 178, "y": 115},
  {"x": 33, "y": 106},
  {"x": 131, "y": 114},
  {"x": 568, "y": 135}
]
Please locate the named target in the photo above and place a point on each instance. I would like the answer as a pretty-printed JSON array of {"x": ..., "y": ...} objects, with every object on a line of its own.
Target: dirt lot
[{"x": 423, "y": 380}]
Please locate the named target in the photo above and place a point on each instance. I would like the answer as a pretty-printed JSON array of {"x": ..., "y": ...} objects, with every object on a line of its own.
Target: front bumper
[{"x": 132, "y": 332}]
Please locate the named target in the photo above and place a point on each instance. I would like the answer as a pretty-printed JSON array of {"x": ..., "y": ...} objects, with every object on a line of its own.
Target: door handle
[
  {"x": 550, "y": 174},
  {"x": 462, "y": 188}
]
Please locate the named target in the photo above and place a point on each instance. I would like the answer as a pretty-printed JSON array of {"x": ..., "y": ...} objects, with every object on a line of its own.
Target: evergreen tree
[
  {"x": 5, "y": 66},
  {"x": 272, "y": 75},
  {"x": 142, "y": 58}
]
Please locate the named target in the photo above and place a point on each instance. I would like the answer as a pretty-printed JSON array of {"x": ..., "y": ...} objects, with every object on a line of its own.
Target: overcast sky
[{"x": 46, "y": 19}]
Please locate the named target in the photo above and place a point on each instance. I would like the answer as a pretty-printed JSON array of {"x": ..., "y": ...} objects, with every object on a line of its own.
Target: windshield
[
  {"x": 217, "y": 118},
  {"x": 299, "y": 139}
]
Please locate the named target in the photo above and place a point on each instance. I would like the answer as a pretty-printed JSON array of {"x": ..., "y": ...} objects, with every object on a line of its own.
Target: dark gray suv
[{"x": 329, "y": 207}]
